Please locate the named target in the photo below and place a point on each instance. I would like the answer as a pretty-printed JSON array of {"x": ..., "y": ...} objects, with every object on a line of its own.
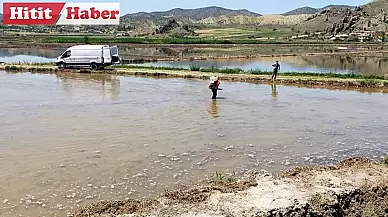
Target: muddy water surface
[
  {"x": 68, "y": 140},
  {"x": 343, "y": 64},
  {"x": 318, "y": 64}
]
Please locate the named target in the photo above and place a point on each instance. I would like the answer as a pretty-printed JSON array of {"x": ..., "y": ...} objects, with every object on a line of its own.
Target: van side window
[{"x": 66, "y": 54}]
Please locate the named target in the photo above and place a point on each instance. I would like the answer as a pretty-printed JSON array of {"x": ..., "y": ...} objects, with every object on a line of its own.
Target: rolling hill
[
  {"x": 371, "y": 16},
  {"x": 310, "y": 10},
  {"x": 265, "y": 20},
  {"x": 218, "y": 16},
  {"x": 303, "y": 10},
  {"x": 336, "y": 7},
  {"x": 186, "y": 15},
  {"x": 147, "y": 22},
  {"x": 207, "y": 16},
  {"x": 331, "y": 19}
]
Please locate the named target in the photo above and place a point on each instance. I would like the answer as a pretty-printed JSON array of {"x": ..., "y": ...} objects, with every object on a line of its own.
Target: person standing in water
[
  {"x": 214, "y": 86},
  {"x": 276, "y": 69}
]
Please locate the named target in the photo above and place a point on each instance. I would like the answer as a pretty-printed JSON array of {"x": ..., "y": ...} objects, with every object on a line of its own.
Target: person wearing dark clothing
[
  {"x": 276, "y": 69},
  {"x": 214, "y": 87}
]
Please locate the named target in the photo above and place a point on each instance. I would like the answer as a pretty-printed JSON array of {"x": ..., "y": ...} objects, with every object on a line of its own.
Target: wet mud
[{"x": 353, "y": 187}]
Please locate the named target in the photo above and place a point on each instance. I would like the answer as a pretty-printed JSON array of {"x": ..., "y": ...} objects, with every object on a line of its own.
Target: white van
[{"x": 88, "y": 56}]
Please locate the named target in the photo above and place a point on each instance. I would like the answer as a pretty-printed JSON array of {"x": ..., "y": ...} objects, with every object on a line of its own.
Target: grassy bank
[
  {"x": 235, "y": 71},
  {"x": 324, "y": 80},
  {"x": 254, "y": 72}
]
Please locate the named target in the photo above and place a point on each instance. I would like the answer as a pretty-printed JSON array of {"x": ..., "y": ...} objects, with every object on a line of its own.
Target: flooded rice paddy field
[
  {"x": 343, "y": 64},
  {"x": 69, "y": 140},
  {"x": 187, "y": 51}
]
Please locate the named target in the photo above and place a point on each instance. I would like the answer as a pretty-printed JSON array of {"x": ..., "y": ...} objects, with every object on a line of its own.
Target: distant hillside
[
  {"x": 372, "y": 16},
  {"x": 188, "y": 14},
  {"x": 310, "y": 10},
  {"x": 265, "y": 20},
  {"x": 336, "y": 7},
  {"x": 148, "y": 22},
  {"x": 217, "y": 16},
  {"x": 303, "y": 10}
]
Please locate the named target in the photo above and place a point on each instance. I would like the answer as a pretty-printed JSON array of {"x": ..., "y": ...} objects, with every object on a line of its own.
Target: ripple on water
[{"x": 69, "y": 142}]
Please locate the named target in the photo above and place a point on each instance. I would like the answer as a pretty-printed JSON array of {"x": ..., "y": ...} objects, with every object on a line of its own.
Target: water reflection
[
  {"x": 274, "y": 93},
  {"x": 343, "y": 64},
  {"x": 213, "y": 109},
  {"x": 359, "y": 65},
  {"x": 317, "y": 64},
  {"x": 106, "y": 86},
  {"x": 74, "y": 139},
  {"x": 144, "y": 52},
  {"x": 37, "y": 55}
]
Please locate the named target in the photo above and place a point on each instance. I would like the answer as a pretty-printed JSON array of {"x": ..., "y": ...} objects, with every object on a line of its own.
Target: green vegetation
[
  {"x": 245, "y": 33},
  {"x": 13, "y": 68},
  {"x": 194, "y": 67},
  {"x": 31, "y": 69},
  {"x": 169, "y": 40},
  {"x": 386, "y": 160},
  {"x": 364, "y": 79},
  {"x": 219, "y": 177},
  {"x": 178, "y": 40},
  {"x": 147, "y": 67},
  {"x": 270, "y": 33},
  {"x": 367, "y": 78}
]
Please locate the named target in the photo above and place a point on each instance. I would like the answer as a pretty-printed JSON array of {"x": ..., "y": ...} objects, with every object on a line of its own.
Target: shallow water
[
  {"x": 29, "y": 55},
  {"x": 68, "y": 140},
  {"x": 316, "y": 64},
  {"x": 319, "y": 64}
]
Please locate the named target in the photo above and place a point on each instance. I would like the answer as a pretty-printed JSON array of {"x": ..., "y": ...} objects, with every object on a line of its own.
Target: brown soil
[
  {"x": 355, "y": 187},
  {"x": 348, "y": 163},
  {"x": 190, "y": 195},
  {"x": 115, "y": 207},
  {"x": 202, "y": 192}
]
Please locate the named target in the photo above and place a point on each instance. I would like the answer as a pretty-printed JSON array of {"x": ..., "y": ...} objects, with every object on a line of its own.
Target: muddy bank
[
  {"x": 301, "y": 80},
  {"x": 354, "y": 187},
  {"x": 373, "y": 85}
]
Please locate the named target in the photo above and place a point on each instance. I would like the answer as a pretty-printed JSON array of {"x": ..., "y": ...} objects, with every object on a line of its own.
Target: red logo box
[{"x": 27, "y": 13}]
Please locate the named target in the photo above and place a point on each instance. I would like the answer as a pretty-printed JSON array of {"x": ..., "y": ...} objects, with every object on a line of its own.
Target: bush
[
  {"x": 224, "y": 178},
  {"x": 86, "y": 40},
  {"x": 194, "y": 67}
]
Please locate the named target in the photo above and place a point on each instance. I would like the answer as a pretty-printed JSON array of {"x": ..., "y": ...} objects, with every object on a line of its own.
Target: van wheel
[
  {"x": 94, "y": 66},
  {"x": 62, "y": 65}
]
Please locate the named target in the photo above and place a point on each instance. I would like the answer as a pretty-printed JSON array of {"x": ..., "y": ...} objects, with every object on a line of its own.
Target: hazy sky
[{"x": 258, "y": 6}]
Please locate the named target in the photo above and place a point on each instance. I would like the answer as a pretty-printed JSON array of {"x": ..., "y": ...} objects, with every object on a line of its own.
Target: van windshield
[
  {"x": 66, "y": 54},
  {"x": 114, "y": 51}
]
